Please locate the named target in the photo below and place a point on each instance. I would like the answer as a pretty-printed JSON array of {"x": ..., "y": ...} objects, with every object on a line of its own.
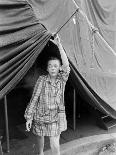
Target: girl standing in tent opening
[{"x": 46, "y": 108}]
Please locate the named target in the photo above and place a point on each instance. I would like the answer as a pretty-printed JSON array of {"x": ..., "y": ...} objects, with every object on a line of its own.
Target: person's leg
[
  {"x": 55, "y": 145},
  {"x": 40, "y": 144}
]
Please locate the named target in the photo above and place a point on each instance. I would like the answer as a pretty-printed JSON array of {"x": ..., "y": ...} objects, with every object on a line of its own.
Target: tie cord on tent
[{"x": 92, "y": 27}]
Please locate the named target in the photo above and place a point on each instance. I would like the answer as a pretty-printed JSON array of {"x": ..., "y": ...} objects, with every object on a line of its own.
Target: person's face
[{"x": 53, "y": 67}]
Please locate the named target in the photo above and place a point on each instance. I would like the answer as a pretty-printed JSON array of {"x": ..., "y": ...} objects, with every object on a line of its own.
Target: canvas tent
[
  {"x": 102, "y": 14},
  {"x": 22, "y": 38},
  {"x": 88, "y": 49}
]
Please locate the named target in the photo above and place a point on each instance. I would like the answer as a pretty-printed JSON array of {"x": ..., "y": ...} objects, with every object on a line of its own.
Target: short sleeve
[{"x": 65, "y": 71}]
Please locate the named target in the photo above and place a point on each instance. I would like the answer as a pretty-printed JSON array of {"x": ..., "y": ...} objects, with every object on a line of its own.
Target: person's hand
[
  {"x": 28, "y": 125},
  {"x": 56, "y": 40}
]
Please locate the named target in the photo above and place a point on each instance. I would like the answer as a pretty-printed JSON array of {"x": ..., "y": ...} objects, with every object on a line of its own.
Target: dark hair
[{"x": 54, "y": 58}]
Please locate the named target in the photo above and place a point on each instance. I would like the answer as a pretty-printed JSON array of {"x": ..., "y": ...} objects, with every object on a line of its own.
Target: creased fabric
[
  {"x": 102, "y": 14},
  {"x": 22, "y": 38},
  {"x": 89, "y": 50}
]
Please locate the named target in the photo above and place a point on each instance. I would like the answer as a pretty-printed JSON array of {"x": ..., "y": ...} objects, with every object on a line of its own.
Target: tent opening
[{"x": 20, "y": 96}]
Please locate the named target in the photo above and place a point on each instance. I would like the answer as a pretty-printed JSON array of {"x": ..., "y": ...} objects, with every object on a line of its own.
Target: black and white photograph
[{"x": 57, "y": 77}]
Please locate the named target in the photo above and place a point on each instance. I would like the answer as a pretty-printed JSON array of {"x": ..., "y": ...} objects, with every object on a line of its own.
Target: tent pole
[
  {"x": 66, "y": 22},
  {"x": 6, "y": 125},
  {"x": 74, "y": 110},
  {"x": 1, "y": 153}
]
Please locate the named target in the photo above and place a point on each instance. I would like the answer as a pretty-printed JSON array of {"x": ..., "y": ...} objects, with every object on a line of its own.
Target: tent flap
[{"x": 22, "y": 38}]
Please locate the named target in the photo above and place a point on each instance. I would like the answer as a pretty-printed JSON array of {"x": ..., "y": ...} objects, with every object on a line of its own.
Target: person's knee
[
  {"x": 54, "y": 146},
  {"x": 40, "y": 144},
  {"x": 40, "y": 139},
  {"x": 54, "y": 142}
]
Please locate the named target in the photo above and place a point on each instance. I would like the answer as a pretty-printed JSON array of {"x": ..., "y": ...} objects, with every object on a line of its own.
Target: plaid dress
[{"x": 46, "y": 107}]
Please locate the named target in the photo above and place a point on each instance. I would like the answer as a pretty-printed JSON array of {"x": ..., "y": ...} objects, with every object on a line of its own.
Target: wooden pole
[
  {"x": 1, "y": 153},
  {"x": 74, "y": 110},
  {"x": 6, "y": 125}
]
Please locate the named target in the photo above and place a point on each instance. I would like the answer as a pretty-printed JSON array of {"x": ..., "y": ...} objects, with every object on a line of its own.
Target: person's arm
[
  {"x": 29, "y": 112},
  {"x": 65, "y": 69},
  {"x": 64, "y": 58}
]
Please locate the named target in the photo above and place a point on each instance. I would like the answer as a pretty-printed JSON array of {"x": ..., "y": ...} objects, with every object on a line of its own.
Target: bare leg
[
  {"x": 55, "y": 145},
  {"x": 40, "y": 144}
]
